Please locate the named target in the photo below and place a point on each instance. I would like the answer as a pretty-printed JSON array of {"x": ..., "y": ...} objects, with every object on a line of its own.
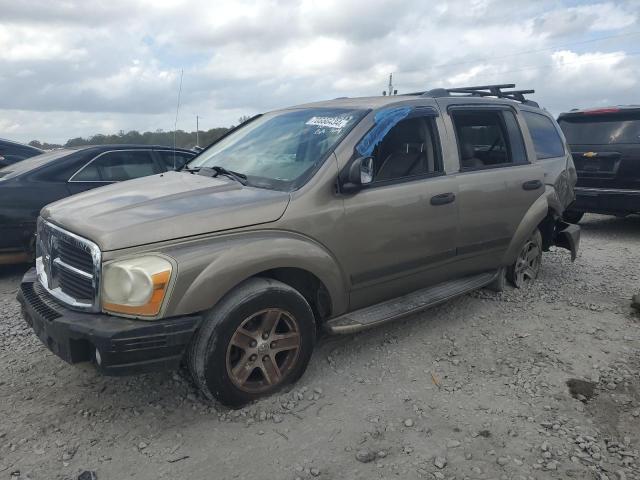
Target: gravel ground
[{"x": 476, "y": 388}]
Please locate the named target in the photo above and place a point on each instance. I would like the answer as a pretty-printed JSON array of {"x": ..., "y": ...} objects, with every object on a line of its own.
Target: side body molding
[{"x": 210, "y": 267}]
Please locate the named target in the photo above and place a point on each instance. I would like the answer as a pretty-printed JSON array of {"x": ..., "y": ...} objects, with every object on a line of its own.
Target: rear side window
[
  {"x": 546, "y": 140},
  {"x": 602, "y": 129},
  {"x": 483, "y": 139},
  {"x": 173, "y": 161},
  {"x": 117, "y": 166}
]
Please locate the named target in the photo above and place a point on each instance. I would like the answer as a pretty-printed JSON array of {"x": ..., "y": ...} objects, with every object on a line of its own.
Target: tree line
[{"x": 159, "y": 137}]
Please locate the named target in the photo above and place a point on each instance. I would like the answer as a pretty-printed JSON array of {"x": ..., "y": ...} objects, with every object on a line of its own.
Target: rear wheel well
[{"x": 309, "y": 286}]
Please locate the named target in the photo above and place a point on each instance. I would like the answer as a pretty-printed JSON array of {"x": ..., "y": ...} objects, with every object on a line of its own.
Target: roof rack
[{"x": 483, "y": 91}]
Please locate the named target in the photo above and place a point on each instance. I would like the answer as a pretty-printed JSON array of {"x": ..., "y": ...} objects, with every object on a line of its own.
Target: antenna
[
  {"x": 175, "y": 124},
  {"x": 197, "y": 131},
  {"x": 391, "y": 91}
]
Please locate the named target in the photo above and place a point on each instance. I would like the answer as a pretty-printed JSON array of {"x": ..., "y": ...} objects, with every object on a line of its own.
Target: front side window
[
  {"x": 117, "y": 166},
  {"x": 402, "y": 144},
  {"x": 546, "y": 140},
  {"x": 282, "y": 149},
  {"x": 482, "y": 139}
]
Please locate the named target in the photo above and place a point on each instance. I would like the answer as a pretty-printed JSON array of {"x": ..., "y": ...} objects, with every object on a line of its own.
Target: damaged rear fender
[{"x": 536, "y": 214}]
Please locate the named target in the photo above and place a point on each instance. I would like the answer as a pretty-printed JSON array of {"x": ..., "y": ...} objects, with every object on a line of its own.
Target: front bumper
[
  {"x": 125, "y": 346},
  {"x": 606, "y": 200}
]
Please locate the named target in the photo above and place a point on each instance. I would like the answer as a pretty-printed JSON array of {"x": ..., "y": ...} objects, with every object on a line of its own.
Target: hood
[{"x": 164, "y": 207}]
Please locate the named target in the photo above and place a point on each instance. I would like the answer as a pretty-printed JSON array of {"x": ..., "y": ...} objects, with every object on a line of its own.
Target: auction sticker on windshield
[{"x": 337, "y": 123}]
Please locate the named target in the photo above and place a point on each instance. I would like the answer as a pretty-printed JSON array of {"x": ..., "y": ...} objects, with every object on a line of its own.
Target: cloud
[
  {"x": 75, "y": 68},
  {"x": 595, "y": 17},
  {"x": 67, "y": 12},
  {"x": 36, "y": 46}
]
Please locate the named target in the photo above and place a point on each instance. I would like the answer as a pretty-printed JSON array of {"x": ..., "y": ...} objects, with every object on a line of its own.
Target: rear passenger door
[
  {"x": 496, "y": 182},
  {"x": 114, "y": 166}
]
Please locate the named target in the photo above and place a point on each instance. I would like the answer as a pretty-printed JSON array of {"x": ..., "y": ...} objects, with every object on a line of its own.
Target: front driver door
[{"x": 403, "y": 225}]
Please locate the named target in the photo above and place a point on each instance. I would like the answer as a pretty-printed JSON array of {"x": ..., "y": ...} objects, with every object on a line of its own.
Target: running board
[{"x": 408, "y": 304}]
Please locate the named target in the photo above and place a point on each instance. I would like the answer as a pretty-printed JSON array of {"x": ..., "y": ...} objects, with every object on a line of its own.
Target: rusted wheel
[
  {"x": 258, "y": 338},
  {"x": 263, "y": 350},
  {"x": 527, "y": 266}
]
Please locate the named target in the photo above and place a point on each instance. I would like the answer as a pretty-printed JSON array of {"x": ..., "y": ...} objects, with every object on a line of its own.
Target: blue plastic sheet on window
[{"x": 384, "y": 121}]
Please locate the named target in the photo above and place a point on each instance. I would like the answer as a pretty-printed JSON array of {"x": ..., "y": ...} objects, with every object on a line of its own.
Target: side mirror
[{"x": 360, "y": 173}]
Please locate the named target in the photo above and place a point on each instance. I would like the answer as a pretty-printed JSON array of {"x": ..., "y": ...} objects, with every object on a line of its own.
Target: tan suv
[{"x": 338, "y": 215}]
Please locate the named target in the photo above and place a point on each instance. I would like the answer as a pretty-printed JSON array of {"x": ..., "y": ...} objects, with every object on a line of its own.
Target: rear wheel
[
  {"x": 256, "y": 340},
  {"x": 572, "y": 216},
  {"x": 527, "y": 265}
]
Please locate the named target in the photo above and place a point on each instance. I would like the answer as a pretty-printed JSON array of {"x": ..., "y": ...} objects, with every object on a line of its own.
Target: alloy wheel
[
  {"x": 263, "y": 350},
  {"x": 528, "y": 264}
]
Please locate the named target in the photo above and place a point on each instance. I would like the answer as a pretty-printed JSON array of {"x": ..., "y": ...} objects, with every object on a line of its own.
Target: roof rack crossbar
[
  {"x": 492, "y": 88},
  {"x": 484, "y": 91}
]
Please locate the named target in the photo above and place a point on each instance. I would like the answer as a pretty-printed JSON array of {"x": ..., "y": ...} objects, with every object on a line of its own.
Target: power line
[
  {"x": 526, "y": 52},
  {"x": 551, "y": 65},
  {"x": 489, "y": 79}
]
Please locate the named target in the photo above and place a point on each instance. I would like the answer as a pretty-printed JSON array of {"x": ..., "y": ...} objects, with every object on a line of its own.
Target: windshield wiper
[{"x": 216, "y": 171}]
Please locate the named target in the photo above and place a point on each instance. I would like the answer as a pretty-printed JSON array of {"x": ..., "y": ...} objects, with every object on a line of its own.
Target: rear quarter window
[{"x": 546, "y": 139}]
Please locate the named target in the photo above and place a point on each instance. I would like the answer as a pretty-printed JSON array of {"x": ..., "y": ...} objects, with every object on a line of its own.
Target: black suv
[
  {"x": 12, "y": 152},
  {"x": 605, "y": 143}
]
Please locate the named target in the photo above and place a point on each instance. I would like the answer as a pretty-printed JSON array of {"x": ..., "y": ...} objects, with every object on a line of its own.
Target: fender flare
[
  {"x": 536, "y": 214},
  {"x": 210, "y": 268}
]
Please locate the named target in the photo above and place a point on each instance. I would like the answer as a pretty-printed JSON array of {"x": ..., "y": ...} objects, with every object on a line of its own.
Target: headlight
[{"x": 136, "y": 286}]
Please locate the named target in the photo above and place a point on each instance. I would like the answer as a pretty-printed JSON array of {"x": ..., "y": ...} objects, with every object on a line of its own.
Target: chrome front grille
[
  {"x": 68, "y": 266},
  {"x": 76, "y": 256}
]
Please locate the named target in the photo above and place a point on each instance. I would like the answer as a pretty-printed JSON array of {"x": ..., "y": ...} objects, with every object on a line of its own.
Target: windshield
[
  {"x": 281, "y": 150},
  {"x": 602, "y": 129}
]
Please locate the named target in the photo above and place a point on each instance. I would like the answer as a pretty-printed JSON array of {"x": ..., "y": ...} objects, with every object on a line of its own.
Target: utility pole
[
  {"x": 175, "y": 124},
  {"x": 197, "y": 131}
]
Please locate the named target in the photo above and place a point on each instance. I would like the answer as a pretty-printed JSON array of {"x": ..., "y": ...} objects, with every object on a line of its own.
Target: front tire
[
  {"x": 527, "y": 266},
  {"x": 257, "y": 339}
]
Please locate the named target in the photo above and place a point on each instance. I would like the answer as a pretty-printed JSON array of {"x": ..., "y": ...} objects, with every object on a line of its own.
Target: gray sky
[{"x": 74, "y": 68}]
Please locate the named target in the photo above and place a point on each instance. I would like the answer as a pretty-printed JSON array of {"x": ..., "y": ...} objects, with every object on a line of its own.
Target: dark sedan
[
  {"x": 12, "y": 152},
  {"x": 29, "y": 185}
]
